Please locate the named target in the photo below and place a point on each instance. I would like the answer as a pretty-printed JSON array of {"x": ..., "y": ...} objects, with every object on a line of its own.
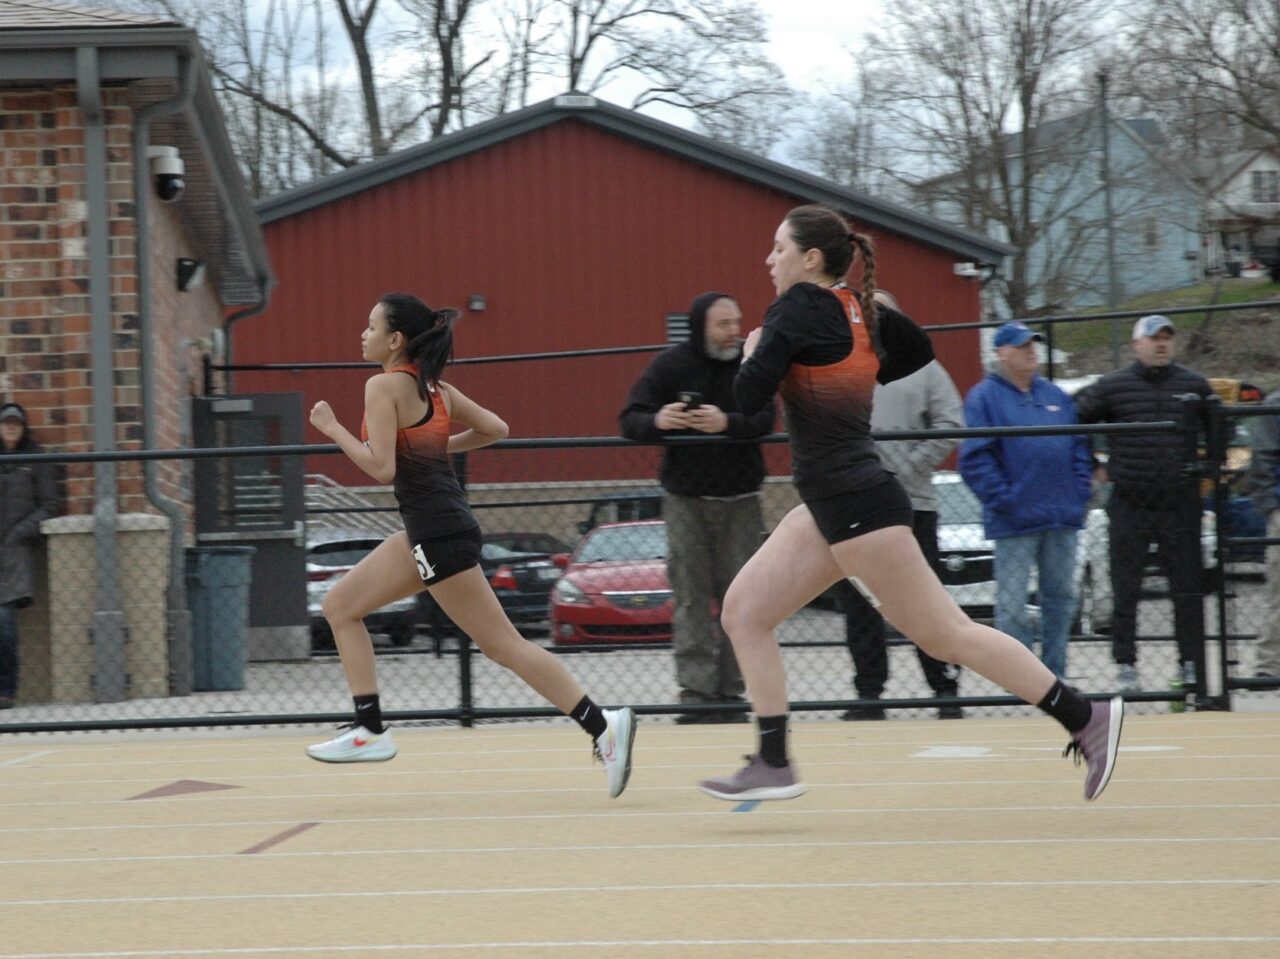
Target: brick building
[
  {"x": 127, "y": 243},
  {"x": 88, "y": 266}
]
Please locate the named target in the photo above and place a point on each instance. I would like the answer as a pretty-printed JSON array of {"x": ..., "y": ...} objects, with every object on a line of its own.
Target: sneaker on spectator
[
  {"x": 355, "y": 744},
  {"x": 1127, "y": 678},
  {"x": 613, "y": 748},
  {"x": 1098, "y": 744},
  {"x": 756, "y": 780}
]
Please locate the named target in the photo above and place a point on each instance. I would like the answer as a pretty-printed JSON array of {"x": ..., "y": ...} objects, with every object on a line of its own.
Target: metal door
[{"x": 258, "y": 501}]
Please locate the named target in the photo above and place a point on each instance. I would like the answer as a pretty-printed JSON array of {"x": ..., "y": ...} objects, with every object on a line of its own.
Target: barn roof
[{"x": 649, "y": 132}]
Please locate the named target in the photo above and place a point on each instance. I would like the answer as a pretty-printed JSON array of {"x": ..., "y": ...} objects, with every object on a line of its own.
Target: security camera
[{"x": 168, "y": 169}]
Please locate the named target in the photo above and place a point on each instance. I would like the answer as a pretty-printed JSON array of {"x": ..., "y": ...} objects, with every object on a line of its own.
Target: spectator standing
[
  {"x": 27, "y": 496},
  {"x": 711, "y": 498},
  {"x": 1151, "y": 499},
  {"x": 1033, "y": 491},
  {"x": 924, "y": 400},
  {"x": 1263, "y": 481}
]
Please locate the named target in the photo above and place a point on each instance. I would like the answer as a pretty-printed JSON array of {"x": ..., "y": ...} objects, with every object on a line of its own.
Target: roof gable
[
  {"x": 52, "y": 15},
  {"x": 648, "y": 132}
]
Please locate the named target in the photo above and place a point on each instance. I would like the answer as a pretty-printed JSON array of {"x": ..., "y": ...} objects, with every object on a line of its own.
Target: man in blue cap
[
  {"x": 1152, "y": 499},
  {"x": 1033, "y": 491}
]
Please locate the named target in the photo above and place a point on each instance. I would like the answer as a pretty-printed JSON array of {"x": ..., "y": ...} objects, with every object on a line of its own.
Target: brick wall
[{"x": 44, "y": 283}]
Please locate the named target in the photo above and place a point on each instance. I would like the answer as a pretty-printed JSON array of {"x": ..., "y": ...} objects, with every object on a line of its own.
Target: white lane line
[
  {"x": 1080, "y": 807},
  {"x": 819, "y": 741},
  {"x": 598, "y": 944},
  {"x": 644, "y": 887},
  {"x": 653, "y": 847},
  {"x": 17, "y": 760},
  {"x": 192, "y": 798}
]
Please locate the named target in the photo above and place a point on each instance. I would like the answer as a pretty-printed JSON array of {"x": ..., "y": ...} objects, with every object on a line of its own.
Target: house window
[
  {"x": 1266, "y": 186},
  {"x": 1150, "y": 234}
]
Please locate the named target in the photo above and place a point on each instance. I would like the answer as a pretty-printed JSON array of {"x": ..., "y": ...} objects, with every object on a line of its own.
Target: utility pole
[{"x": 1113, "y": 284}]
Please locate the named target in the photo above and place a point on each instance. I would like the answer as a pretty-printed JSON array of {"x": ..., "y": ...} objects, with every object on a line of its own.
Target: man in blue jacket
[{"x": 1033, "y": 491}]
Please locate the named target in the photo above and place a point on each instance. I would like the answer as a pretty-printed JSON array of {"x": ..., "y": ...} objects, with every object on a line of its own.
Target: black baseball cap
[{"x": 12, "y": 411}]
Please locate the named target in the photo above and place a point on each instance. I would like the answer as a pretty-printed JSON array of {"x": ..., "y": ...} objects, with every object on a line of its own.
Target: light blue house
[{"x": 1064, "y": 260}]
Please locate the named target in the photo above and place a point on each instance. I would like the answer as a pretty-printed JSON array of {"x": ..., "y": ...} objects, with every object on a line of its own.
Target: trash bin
[{"x": 218, "y": 597}]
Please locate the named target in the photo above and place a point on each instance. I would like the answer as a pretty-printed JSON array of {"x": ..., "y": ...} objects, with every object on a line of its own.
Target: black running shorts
[
  {"x": 847, "y": 515},
  {"x": 438, "y": 559}
]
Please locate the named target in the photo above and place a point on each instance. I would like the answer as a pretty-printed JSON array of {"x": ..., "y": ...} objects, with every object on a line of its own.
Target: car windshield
[
  {"x": 624, "y": 543},
  {"x": 957, "y": 505}
]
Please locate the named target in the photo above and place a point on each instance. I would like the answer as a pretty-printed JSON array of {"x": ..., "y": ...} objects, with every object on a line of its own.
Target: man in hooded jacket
[{"x": 711, "y": 500}]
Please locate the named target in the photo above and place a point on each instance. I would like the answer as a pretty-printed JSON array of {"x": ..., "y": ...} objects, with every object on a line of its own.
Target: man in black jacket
[
  {"x": 711, "y": 500},
  {"x": 1152, "y": 499}
]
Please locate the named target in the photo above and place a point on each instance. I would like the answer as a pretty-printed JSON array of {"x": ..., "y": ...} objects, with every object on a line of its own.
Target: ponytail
[{"x": 428, "y": 335}]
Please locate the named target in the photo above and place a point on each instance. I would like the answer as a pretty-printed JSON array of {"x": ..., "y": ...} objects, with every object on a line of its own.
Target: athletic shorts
[
  {"x": 847, "y": 515},
  {"x": 438, "y": 559}
]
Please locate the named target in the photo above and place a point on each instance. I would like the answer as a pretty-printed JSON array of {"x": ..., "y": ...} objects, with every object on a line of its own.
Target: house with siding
[{"x": 1155, "y": 224}]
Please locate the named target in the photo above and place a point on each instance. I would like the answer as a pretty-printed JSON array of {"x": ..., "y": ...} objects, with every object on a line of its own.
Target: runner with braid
[
  {"x": 823, "y": 348},
  {"x": 406, "y": 438}
]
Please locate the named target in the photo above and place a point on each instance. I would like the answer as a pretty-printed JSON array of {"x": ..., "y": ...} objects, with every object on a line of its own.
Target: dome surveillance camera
[{"x": 168, "y": 169}]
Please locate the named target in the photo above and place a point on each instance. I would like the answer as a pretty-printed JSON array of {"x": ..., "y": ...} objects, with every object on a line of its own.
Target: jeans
[
  {"x": 865, "y": 628},
  {"x": 708, "y": 541},
  {"x": 8, "y": 650},
  {"x": 1053, "y": 553}
]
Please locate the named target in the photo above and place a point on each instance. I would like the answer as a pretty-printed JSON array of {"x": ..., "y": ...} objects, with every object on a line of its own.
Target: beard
[{"x": 718, "y": 352}]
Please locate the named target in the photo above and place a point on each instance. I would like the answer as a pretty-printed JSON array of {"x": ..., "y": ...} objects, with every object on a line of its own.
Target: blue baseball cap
[
  {"x": 1016, "y": 334},
  {"x": 1151, "y": 325}
]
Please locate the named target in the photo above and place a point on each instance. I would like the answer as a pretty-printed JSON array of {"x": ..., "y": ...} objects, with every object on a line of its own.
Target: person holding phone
[
  {"x": 407, "y": 438},
  {"x": 824, "y": 348},
  {"x": 711, "y": 492}
]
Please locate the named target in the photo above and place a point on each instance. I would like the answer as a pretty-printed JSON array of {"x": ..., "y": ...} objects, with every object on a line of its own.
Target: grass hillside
[{"x": 1243, "y": 344}]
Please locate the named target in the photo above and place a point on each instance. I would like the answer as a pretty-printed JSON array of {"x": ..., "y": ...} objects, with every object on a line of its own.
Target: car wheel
[
  {"x": 322, "y": 639},
  {"x": 402, "y": 633}
]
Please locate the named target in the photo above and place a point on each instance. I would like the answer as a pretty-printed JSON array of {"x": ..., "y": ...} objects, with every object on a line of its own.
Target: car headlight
[{"x": 566, "y": 592}]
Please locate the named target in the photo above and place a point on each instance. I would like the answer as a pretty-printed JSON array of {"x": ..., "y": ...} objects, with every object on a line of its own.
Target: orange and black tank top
[
  {"x": 817, "y": 353},
  {"x": 431, "y": 500}
]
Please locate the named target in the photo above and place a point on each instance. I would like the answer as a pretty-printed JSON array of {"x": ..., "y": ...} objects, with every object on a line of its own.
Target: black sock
[
  {"x": 590, "y": 717},
  {"x": 369, "y": 713},
  {"x": 1067, "y": 706},
  {"x": 773, "y": 739}
]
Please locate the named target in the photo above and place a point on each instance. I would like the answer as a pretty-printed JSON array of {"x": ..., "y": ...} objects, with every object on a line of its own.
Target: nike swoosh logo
[
  {"x": 1053, "y": 702},
  {"x": 359, "y": 742},
  {"x": 855, "y": 525}
]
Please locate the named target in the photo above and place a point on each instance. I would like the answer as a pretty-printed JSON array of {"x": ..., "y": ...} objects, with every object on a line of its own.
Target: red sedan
[{"x": 615, "y": 587}]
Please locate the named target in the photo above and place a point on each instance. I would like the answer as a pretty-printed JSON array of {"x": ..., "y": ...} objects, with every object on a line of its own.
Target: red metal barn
[{"x": 582, "y": 225}]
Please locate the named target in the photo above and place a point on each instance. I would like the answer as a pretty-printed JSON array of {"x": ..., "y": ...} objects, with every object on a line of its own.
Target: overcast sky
[{"x": 809, "y": 37}]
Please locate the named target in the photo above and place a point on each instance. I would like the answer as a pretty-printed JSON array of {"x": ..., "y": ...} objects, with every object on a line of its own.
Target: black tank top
[{"x": 432, "y": 503}]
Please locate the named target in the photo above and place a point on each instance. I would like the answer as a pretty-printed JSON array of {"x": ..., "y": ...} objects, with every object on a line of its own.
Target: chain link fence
[{"x": 104, "y": 647}]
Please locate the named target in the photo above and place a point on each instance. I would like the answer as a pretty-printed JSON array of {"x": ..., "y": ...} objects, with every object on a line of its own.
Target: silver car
[{"x": 330, "y": 553}]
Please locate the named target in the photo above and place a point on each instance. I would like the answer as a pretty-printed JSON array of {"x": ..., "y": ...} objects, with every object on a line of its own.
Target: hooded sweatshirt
[{"x": 711, "y": 469}]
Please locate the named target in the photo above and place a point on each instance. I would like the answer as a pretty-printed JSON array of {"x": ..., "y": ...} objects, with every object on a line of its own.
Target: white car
[
  {"x": 967, "y": 557},
  {"x": 330, "y": 553}
]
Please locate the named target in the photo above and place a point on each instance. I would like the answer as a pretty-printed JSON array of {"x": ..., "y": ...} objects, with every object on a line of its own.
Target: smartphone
[{"x": 690, "y": 399}]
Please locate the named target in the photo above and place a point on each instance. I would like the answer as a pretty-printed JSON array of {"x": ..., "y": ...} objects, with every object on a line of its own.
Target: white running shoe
[
  {"x": 613, "y": 748},
  {"x": 355, "y": 744}
]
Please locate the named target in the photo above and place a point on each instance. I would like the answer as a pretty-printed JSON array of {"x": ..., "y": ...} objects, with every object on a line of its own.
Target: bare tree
[
  {"x": 841, "y": 141},
  {"x": 967, "y": 89},
  {"x": 1212, "y": 59}
]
